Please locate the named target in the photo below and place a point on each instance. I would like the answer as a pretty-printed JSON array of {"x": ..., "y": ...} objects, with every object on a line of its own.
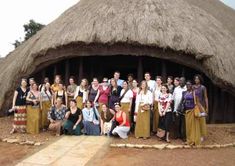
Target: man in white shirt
[
  {"x": 151, "y": 83},
  {"x": 179, "y": 118}
]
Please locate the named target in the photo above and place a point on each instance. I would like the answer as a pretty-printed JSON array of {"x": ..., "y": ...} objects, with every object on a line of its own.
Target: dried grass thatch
[{"x": 201, "y": 34}]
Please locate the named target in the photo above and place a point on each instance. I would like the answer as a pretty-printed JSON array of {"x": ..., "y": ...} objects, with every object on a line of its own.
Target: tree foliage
[{"x": 30, "y": 29}]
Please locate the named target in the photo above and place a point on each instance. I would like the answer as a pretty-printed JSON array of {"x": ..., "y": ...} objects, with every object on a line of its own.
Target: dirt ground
[
  {"x": 151, "y": 157},
  {"x": 217, "y": 134}
]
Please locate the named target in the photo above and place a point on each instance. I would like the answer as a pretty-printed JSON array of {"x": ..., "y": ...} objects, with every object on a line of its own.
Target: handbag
[
  {"x": 161, "y": 133},
  {"x": 145, "y": 107},
  {"x": 198, "y": 109}
]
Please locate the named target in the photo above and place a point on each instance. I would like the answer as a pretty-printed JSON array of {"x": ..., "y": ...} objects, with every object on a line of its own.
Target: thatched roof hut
[{"x": 195, "y": 33}]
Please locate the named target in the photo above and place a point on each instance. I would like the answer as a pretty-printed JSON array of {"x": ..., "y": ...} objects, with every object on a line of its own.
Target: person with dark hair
[
  {"x": 170, "y": 84},
  {"x": 61, "y": 92},
  {"x": 90, "y": 119},
  {"x": 151, "y": 83},
  {"x": 56, "y": 116},
  {"x": 179, "y": 119},
  {"x": 46, "y": 103},
  {"x": 71, "y": 88},
  {"x": 19, "y": 105},
  {"x": 130, "y": 78},
  {"x": 81, "y": 93},
  {"x": 73, "y": 116},
  {"x": 193, "y": 134},
  {"x": 115, "y": 91},
  {"x": 123, "y": 126},
  {"x": 33, "y": 110},
  {"x": 106, "y": 116},
  {"x": 125, "y": 98},
  {"x": 165, "y": 111},
  {"x": 143, "y": 102},
  {"x": 116, "y": 77},
  {"x": 176, "y": 82},
  {"x": 201, "y": 93}
]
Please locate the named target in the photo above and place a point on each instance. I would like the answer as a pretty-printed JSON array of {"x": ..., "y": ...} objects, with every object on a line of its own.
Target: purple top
[
  {"x": 199, "y": 92},
  {"x": 188, "y": 100}
]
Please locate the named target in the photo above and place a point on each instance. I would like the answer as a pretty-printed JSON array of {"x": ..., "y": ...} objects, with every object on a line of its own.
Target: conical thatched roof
[{"x": 201, "y": 34}]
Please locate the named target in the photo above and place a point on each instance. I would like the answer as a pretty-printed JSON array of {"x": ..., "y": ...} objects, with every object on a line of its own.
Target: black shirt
[
  {"x": 74, "y": 117},
  {"x": 21, "y": 97}
]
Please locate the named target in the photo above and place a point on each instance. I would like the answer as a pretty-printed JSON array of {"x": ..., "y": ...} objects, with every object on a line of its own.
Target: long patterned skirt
[
  {"x": 33, "y": 119},
  {"x": 142, "y": 128},
  {"x": 20, "y": 118},
  {"x": 79, "y": 100},
  {"x": 193, "y": 134},
  {"x": 46, "y": 105},
  {"x": 155, "y": 117},
  {"x": 125, "y": 108}
]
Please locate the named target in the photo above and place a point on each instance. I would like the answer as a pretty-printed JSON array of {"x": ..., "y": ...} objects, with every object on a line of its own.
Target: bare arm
[
  {"x": 14, "y": 99},
  {"x": 97, "y": 96},
  {"x": 66, "y": 99},
  {"x": 124, "y": 119}
]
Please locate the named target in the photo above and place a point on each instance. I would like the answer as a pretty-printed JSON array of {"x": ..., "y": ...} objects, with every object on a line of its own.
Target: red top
[
  {"x": 120, "y": 120},
  {"x": 134, "y": 94},
  {"x": 103, "y": 98}
]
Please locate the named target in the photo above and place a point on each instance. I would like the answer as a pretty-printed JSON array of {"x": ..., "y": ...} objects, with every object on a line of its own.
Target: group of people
[{"x": 114, "y": 107}]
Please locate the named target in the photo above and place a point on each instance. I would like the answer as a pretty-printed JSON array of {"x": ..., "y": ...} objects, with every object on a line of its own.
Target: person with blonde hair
[{"x": 81, "y": 93}]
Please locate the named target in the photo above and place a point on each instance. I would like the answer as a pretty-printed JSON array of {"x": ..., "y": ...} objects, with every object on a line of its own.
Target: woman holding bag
[
  {"x": 142, "y": 111},
  {"x": 193, "y": 134}
]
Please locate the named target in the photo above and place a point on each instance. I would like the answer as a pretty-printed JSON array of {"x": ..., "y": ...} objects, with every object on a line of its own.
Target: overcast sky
[{"x": 15, "y": 13}]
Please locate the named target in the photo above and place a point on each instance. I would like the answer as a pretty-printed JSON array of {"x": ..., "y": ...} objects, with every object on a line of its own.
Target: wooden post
[
  {"x": 140, "y": 69},
  {"x": 55, "y": 69},
  {"x": 183, "y": 72},
  {"x": 67, "y": 72},
  {"x": 80, "y": 75},
  {"x": 164, "y": 72}
]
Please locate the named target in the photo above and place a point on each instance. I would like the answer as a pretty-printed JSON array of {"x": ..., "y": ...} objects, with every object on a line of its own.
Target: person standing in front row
[
  {"x": 81, "y": 93},
  {"x": 126, "y": 96},
  {"x": 201, "y": 93},
  {"x": 33, "y": 110},
  {"x": 179, "y": 119},
  {"x": 156, "y": 94},
  {"x": 46, "y": 103},
  {"x": 19, "y": 105},
  {"x": 193, "y": 134},
  {"x": 165, "y": 111},
  {"x": 142, "y": 110}
]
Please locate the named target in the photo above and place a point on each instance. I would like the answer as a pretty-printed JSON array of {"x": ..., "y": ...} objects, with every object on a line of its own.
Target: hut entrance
[{"x": 221, "y": 103}]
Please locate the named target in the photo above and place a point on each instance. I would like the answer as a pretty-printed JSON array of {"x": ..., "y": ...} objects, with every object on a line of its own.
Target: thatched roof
[{"x": 201, "y": 34}]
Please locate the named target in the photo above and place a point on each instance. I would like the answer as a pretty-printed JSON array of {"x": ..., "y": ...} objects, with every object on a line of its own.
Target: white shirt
[
  {"x": 84, "y": 97},
  {"x": 127, "y": 98},
  {"x": 157, "y": 93},
  {"x": 143, "y": 98},
  {"x": 177, "y": 96},
  {"x": 151, "y": 85}
]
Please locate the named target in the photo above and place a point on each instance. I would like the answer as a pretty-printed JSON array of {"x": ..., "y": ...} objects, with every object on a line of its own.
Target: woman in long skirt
[
  {"x": 33, "y": 110},
  {"x": 193, "y": 134},
  {"x": 46, "y": 103},
  {"x": 201, "y": 94},
  {"x": 126, "y": 96},
  {"x": 81, "y": 93},
  {"x": 142, "y": 110},
  {"x": 19, "y": 105}
]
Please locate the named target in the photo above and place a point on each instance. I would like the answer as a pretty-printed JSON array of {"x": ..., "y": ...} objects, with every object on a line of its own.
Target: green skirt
[{"x": 68, "y": 128}]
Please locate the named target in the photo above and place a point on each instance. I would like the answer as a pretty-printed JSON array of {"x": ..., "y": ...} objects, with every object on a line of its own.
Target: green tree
[{"x": 30, "y": 29}]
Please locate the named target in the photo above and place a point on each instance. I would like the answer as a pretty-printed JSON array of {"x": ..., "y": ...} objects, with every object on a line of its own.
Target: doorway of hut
[{"x": 221, "y": 102}]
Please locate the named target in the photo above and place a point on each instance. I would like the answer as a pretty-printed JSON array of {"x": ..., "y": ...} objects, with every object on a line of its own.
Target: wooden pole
[
  {"x": 140, "y": 69},
  {"x": 164, "y": 72},
  {"x": 67, "y": 72},
  {"x": 80, "y": 75}
]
